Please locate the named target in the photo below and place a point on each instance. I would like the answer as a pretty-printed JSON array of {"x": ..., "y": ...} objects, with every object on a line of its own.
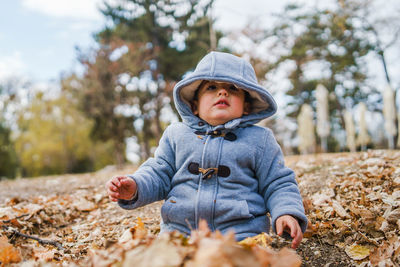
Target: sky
[{"x": 38, "y": 38}]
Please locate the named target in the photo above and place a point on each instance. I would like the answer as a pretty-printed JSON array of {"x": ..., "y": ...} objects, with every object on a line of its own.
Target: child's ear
[{"x": 194, "y": 107}]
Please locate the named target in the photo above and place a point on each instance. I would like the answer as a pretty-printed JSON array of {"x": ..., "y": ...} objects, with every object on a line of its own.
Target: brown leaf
[
  {"x": 140, "y": 230},
  {"x": 84, "y": 205},
  {"x": 43, "y": 254},
  {"x": 8, "y": 253},
  {"x": 339, "y": 209},
  {"x": 127, "y": 236},
  {"x": 159, "y": 254},
  {"x": 381, "y": 253},
  {"x": 213, "y": 252},
  {"x": 311, "y": 229},
  {"x": 263, "y": 240},
  {"x": 284, "y": 258},
  {"x": 372, "y": 162},
  {"x": 357, "y": 252},
  {"x": 393, "y": 216}
]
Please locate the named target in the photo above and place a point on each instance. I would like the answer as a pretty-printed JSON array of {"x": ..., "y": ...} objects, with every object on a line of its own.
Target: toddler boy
[{"x": 216, "y": 164}]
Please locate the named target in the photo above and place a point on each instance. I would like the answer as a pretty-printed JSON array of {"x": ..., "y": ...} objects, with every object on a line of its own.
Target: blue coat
[{"x": 231, "y": 175}]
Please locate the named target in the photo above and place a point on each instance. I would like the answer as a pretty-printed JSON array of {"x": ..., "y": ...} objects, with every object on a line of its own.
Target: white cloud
[
  {"x": 11, "y": 66},
  {"x": 86, "y": 9}
]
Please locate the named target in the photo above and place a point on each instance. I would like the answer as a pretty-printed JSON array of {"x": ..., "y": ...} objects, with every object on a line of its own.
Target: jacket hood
[{"x": 224, "y": 67}]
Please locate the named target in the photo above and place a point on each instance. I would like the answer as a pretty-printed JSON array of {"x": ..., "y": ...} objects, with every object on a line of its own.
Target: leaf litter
[{"x": 352, "y": 201}]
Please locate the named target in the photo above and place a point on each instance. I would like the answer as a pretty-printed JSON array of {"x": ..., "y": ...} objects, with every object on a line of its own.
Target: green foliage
[
  {"x": 8, "y": 157},
  {"x": 54, "y": 138}
]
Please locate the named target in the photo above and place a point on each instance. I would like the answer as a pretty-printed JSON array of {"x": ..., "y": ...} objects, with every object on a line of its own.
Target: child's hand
[
  {"x": 121, "y": 187},
  {"x": 289, "y": 224}
]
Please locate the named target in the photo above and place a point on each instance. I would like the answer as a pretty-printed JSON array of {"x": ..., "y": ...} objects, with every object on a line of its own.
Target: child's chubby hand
[
  {"x": 121, "y": 187},
  {"x": 290, "y": 225}
]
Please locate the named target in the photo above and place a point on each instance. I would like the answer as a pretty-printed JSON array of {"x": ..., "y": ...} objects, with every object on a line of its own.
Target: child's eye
[
  {"x": 233, "y": 88},
  {"x": 211, "y": 87}
]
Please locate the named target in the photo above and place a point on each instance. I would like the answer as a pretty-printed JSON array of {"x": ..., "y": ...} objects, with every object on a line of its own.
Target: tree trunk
[
  {"x": 381, "y": 54},
  {"x": 119, "y": 153}
]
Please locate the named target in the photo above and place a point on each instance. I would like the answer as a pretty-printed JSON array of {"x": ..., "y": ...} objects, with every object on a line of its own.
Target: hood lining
[{"x": 257, "y": 103}]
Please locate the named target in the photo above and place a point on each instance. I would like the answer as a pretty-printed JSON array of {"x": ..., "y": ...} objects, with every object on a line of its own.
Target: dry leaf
[
  {"x": 357, "y": 252},
  {"x": 381, "y": 253},
  {"x": 84, "y": 205},
  {"x": 284, "y": 258},
  {"x": 340, "y": 210},
  {"x": 8, "y": 253},
  {"x": 213, "y": 252},
  {"x": 140, "y": 230},
  {"x": 393, "y": 216},
  {"x": 263, "y": 240},
  {"x": 159, "y": 254},
  {"x": 372, "y": 162},
  {"x": 334, "y": 187},
  {"x": 127, "y": 236},
  {"x": 44, "y": 254}
]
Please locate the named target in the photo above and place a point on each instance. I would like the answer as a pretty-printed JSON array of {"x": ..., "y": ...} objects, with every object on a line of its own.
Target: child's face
[{"x": 219, "y": 102}]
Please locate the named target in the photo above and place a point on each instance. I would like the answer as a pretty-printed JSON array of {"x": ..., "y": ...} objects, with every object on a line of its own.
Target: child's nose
[{"x": 222, "y": 92}]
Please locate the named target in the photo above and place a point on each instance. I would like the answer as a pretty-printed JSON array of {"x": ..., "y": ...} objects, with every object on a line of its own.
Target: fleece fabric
[{"x": 230, "y": 175}]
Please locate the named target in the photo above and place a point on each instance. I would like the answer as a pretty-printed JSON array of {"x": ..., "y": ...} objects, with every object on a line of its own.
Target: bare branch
[{"x": 41, "y": 241}]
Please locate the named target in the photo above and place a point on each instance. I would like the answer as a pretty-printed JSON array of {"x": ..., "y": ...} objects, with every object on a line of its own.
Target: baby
[{"x": 216, "y": 164}]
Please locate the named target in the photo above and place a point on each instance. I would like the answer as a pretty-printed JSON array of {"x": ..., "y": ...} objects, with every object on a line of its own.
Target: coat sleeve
[
  {"x": 153, "y": 178},
  {"x": 277, "y": 184}
]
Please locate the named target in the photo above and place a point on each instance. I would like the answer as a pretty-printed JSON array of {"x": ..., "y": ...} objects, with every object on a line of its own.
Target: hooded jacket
[{"x": 231, "y": 175}]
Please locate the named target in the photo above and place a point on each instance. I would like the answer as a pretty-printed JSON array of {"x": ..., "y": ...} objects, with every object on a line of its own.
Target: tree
[
  {"x": 384, "y": 31},
  {"x": 100, "y": 98},
  {"x": 8, "y": 157},
  {"x": 129, "y": 79},
  {"x": 54, "y": 137},
  {"x": 323, "y": 46}
]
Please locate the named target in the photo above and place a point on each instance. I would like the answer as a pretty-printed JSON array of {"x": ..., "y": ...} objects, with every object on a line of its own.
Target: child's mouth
[{"x": 222, "y": 103}]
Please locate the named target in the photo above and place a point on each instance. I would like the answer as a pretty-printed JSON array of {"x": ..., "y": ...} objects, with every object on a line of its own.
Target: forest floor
[{"x": 352, "y": 201}]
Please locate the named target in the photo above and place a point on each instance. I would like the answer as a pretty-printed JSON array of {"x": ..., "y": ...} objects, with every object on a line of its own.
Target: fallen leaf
[
  {"x": 43, "y": 254},
  {"x": 393, "y": 216},
  {"x": 127, "y": 236},
  {"x": 357, "y": 252},
  {"x": 159, "y": 254},
  {"x": 381, "y": 253},
  {"x": 263, "y": 240},
  {"x": 284, "y": 258},
  {"x": 8, "y": 253},
  {"x": 140, "y": 230},
  {"x": 372, "y": 162},
  {"x": 339, "y": 209},
  {"x": 213, "y": 252},
  {"x": 84, "y": 205}
]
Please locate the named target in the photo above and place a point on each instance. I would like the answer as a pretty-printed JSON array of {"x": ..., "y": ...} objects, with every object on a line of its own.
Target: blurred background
[{"x": 87, "y": 84}]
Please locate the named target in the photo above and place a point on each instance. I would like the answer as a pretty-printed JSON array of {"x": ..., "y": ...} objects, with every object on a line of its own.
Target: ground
[{"x": 352, "y": 201}]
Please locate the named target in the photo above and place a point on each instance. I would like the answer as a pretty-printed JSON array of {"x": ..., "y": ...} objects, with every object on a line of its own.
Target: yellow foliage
[{"x": 55, "y": 138}]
